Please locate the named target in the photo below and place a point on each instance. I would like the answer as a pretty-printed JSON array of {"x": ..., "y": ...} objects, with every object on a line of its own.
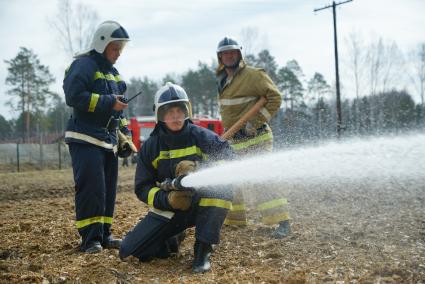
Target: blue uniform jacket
[
  {"x": 89, "y": 85},
  {"x": 161, "y": 153}
]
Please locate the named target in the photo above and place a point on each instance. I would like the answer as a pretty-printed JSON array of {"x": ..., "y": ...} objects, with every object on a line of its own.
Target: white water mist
[{"x": 372, "y": 160}]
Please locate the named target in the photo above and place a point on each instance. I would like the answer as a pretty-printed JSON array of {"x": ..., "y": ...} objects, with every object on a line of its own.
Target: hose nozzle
[{"x": 174, "y": 184}]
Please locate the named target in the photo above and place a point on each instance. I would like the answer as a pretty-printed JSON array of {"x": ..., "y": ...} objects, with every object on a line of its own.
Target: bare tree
[
  {"x": 385, "y": 61},
  {"x": 74, "y": 25},
  {"x": 356, "y": 62},
  {"x": 417, "y": 72},
  {"x": 385, "y": 64},
  {"x": 249, "y": 38},
  {"x": 391, "y": 66}
]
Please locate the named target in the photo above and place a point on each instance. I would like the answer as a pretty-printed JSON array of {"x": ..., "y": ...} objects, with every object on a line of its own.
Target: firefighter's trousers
[
  {"x": 268, "y": 201},
  {"x": 95, "y": 176},
  {"x": 148, "y": 239}
]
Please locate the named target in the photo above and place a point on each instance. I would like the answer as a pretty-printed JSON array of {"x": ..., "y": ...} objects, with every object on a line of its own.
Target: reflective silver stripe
[
  {"x": 238, "y": 101},
  {"x": 91, "y": 140},
  {"x": 166, "y": 214},
  {"x": 265, "y": 113}
]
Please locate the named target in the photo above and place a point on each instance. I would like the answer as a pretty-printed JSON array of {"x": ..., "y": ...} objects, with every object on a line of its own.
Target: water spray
[{"x": 379, "y": 160}]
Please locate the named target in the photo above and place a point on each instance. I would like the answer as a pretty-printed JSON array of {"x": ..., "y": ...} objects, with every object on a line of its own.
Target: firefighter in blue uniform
[
  {"x": 176, "y": 147},
  {"x": 96, "y": 132}
]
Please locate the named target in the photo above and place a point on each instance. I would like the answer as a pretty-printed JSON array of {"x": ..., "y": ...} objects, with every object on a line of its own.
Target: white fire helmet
[
  {"x": 228, "y": 43},
  {"x": 171, "y": 95},
  {"x": 106, "y": 33}
]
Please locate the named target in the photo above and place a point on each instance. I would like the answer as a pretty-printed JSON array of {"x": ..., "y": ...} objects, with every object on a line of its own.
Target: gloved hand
[
  {"x": 180, "y": 199},
  {"x": 250, "y": 130},
  {"x": 125, "y": 145},
  {"x": 166, "y": 184},
  {"x": 184, "y": 167}
]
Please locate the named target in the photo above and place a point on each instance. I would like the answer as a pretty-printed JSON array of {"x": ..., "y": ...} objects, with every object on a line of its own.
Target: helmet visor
[
  {"x": 120, "y": 33},
  {"x": 173, "y": 112}
]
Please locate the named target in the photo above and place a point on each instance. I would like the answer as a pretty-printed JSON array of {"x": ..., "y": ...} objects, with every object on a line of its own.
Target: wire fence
[{"x": 33, "y": 156}]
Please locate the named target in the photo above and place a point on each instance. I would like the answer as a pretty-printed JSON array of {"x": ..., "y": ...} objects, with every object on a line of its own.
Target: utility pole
[{"x": 338, "y": 92}]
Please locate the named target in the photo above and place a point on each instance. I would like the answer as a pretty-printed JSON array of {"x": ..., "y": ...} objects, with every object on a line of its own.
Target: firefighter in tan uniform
[{"x": 239, "y": 87}]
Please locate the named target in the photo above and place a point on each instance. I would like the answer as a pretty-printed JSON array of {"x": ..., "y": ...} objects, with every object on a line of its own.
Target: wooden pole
[{"x": 244, "y": 119}]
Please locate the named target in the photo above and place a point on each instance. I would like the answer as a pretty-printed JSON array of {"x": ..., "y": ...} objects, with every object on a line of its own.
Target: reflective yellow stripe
[
  {"x": 237, "y": 101},
  {"x": 151, "y": 195},
  {"x": 110, "y": 77},
  {"x": 274, "y": 219},
  {"x": 272, "y": 204},
  {"x": 215, "y": 202},
  {"x": 91, "y": 140},
  {"x": 98, "y": 219},
  {"x": 256, "y": 140},
  {"x": 266, "y": 113},
  {"x": 178, "y": 153},
  {"x": 93, "y": 101},
  {"x": 235, "y": 222},
  {"x": 123, "y": 122},
  {"x": 238, "y": 207}
]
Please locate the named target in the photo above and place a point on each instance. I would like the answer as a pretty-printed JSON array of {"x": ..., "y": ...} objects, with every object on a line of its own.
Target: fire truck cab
[{"x": 142, "y": 126}]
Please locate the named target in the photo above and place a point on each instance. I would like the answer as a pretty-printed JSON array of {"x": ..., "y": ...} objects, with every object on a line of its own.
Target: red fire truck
[{"x": 142, "y": 126}]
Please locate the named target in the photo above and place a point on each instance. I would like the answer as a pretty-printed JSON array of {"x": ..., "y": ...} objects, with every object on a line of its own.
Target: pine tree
[{"x": 30, "y": 81}]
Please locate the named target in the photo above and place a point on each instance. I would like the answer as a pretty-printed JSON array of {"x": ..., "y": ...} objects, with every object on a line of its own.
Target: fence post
[
  {"x": 60, "y": 156},
  {"x": 41, "y": 152},
  {"x": 17, "y": 156}
]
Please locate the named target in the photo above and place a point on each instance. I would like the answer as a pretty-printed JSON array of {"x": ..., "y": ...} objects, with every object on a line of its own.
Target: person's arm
[
  {"x": 265, "y": 87},
  {"x": 214, "y": 146},
  {"x": 146, "y": 188},
  {"x": 78, "y": 85}
]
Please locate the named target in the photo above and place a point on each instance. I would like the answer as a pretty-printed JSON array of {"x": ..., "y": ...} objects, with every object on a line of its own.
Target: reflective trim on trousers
[
  {"x": 272, "y": 204},
  {"x": 215, "y": 202},
  {"x": 98, "y": 219},
  {"x": 275, "y": 219}
]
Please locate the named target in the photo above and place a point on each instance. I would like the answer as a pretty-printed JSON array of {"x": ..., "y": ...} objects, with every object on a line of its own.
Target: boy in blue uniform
[
  {"x": 176, "y": 147},
  {"x": 93, "y": 88}
]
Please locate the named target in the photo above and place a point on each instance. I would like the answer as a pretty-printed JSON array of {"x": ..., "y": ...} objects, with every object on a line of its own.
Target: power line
[{"x": 338, "y": 91}]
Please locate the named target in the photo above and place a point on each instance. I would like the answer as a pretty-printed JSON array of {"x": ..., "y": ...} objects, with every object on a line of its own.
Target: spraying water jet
[{"x": 376, "y": 160}]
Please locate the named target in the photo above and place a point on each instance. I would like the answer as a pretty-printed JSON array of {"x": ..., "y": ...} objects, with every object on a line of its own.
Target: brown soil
[{"x": 340, "y": 234}]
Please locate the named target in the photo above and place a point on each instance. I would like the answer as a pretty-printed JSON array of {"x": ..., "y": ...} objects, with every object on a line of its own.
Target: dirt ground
[{"x": 365, "y": 233}]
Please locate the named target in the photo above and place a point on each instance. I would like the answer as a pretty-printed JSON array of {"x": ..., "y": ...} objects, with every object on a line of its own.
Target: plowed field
[{"x": 342, "y": 233}]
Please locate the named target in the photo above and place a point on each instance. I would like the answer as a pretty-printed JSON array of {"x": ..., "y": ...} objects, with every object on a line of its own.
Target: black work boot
[
  {"x": 93, "y": 247},
  {"x": 174, "y": 242},
  {"x": 201, "y": 261},
  {"x": 283, "y": 230},
  {"x": 111, "y": 243}
]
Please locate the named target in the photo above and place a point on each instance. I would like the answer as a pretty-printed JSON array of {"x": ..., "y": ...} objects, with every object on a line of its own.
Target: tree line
[{"x": 307, "y": 112}]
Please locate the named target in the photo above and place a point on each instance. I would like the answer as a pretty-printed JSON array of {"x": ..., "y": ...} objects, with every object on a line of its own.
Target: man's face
[
  {"x": 174, "y": 118},
  {"x": 229, "y": 57},
  {"x": 113, "y": 51}
]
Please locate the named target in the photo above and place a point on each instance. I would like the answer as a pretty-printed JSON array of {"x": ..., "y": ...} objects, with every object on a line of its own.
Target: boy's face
[{"x": 174, "y": 118}]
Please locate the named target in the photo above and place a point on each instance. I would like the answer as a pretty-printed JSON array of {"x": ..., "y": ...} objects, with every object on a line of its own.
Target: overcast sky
[{"x": 172, "y": 36}]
